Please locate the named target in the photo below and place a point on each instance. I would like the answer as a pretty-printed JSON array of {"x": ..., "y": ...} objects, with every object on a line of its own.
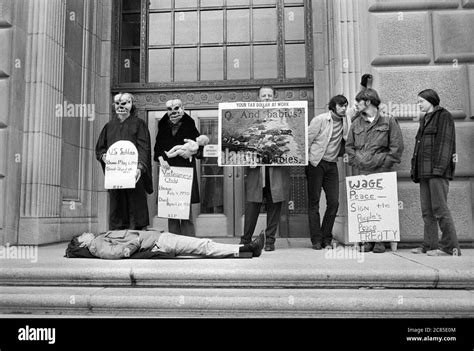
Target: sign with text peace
[
  {"x": 263, "y": 133},
  {"x": 174, "y": 192},
  {"x": 372, "y": 203},
  {"x": 121, "y": 165}
]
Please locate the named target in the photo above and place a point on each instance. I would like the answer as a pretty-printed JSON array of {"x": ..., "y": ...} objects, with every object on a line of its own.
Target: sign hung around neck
[{"x": 121, "y": 165}]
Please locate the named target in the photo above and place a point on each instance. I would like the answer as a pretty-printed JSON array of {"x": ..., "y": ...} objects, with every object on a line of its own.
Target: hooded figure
[{"x": 128, "y": 207}]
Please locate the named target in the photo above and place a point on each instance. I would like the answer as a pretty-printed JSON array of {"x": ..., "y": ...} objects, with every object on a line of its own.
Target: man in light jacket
[{"x": 327, "y": 133}]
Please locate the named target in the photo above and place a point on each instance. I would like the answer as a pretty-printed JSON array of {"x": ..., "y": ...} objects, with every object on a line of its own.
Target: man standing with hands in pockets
[{"x": 327, "y": 133}]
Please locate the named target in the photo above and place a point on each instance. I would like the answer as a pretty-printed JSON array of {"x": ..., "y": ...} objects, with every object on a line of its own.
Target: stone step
[
  {"x": 219, "y": 277},
  {"x": 237, "y": 302}
]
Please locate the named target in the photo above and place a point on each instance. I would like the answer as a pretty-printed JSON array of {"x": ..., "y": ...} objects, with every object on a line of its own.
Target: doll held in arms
[
  {"x": 188, "y": 148},
  {"x": 152, "y": 244}
]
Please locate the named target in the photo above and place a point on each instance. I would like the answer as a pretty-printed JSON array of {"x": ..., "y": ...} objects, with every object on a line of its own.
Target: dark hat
[{"x": 431, "y": 96}]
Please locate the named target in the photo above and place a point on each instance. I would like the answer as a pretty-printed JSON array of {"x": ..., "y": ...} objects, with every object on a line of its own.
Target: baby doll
[{"x": 189, "y": 147}]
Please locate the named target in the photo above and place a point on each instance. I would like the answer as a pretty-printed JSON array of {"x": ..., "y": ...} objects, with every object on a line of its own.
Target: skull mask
[
  {"x": 175, "y": 110},
  {"x": 123, "y": 105}
]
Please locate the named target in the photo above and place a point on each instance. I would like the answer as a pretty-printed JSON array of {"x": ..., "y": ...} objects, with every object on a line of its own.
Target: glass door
[{"x": 215, "y": 214}]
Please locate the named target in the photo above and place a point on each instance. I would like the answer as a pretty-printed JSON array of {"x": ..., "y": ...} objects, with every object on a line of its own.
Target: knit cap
[{"x": 431, "y": 96}]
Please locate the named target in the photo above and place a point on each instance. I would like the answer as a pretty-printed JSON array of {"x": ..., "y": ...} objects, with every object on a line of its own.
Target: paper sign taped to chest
[{"x": 121, "y": 165}]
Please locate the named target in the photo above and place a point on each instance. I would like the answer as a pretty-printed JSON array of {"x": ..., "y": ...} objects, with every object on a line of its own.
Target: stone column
[
  {"x": 40, "y": 178},
  {"x": 5, "y": 122},
  {"x": 346, "y": 60}
]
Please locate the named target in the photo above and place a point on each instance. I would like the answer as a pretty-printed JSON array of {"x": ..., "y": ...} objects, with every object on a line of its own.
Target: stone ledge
[
  {"x": 255, "y": 303},
  {"x": 412, "y": 5}
]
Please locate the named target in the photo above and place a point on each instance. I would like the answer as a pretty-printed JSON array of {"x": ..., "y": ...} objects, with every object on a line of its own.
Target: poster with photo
[{"x": 272, "y": 133}]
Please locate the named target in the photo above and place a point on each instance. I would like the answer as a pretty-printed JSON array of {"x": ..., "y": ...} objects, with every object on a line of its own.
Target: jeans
[
  {"x": 435, "y": 211},
  {"x": 324, "y": 176},
  {"x": 184, "y": 245}
]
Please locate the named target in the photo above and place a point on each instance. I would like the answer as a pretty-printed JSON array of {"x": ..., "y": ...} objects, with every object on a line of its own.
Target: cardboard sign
[
  {"x": 174, "y": 192},
  {"x": 121, "y": 165},
  {"x": 373, "y": 207},
  {"x": 263, "y": 133}
]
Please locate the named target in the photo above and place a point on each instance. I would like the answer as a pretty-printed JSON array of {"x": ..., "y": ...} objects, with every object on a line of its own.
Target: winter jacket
[
  {"x": 374, "y": 146},
  {"x": 279, "y": 183},
  {"x": 435, "y": 146},
  {"x": 122, "y": 243}
]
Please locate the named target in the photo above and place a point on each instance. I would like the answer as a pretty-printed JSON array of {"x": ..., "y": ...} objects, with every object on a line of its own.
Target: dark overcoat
[{"x": 165, "y": 140}]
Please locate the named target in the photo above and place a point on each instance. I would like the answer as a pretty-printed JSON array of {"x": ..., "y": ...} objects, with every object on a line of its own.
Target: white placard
[
  {"x": 373, "y": 207},
  {"x": 121, "y": 165},
  {"x": 211, "y": 150},
  {"x": 174, "y": 192}
]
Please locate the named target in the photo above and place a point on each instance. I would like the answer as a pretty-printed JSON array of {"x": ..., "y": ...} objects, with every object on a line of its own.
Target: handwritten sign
[
  {"x": 263, "y": 133},
  {"x": 373, "y": 207},
  {"x": 211, "y": 150},
  {"x": 121, "y": 165},
  {"x": 174, "y": 192}
]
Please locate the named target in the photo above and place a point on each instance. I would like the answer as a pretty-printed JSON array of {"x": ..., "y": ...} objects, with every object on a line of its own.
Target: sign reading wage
[
  {"x": 121, "y": 165},
  {"x": 263, "y": 133},
  {"x": 373, "y": 207},
  {"x": 174, "y": 192}
]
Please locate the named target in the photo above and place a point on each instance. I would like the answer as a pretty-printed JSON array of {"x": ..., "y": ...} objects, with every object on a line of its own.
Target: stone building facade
[{"x": 58, "y": 72}]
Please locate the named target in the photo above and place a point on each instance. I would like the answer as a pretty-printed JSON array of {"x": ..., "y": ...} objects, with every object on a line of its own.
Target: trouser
[
  {"x": 184, "y": 245},
  {"x": 434, "y": 210},
  {"x": 252, "y": 211},
  {"x": 128, "y": 208},
  {"x": 182, "y": 226},
  {"x": 324, "y": 176}
]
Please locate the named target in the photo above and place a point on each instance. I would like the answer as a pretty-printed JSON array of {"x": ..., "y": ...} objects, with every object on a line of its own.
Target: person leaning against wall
[
  {"x": 374, "y": 143},
  {"x": 327, "y": 134}
]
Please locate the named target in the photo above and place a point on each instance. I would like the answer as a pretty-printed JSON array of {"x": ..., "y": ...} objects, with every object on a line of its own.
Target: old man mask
[
  {"x": 123, "y": 103},
  {"x": 175, "y": 110}
]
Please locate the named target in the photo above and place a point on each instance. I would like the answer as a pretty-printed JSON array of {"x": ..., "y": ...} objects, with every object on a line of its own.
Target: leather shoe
[
  {"x": 317, "y": 246},
  {"x": 244, "y": 242},
  {"x": 327, "y": 245},
  {"x": 256, "y": 245},
  {"x": 270, "y": 247},
  {"x": 367, "y": 247},
  {"x": 418, "y": 250},
  {"x": 379, "y": 247}
]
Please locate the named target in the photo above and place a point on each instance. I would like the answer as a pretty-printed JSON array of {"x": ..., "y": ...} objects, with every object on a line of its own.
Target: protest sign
[
  {"x": 174, "y": 192},
  {"x": 263, "y": 133},
  {"x": 121, "y": 165},
  {"x": 373, "y": 207}
]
